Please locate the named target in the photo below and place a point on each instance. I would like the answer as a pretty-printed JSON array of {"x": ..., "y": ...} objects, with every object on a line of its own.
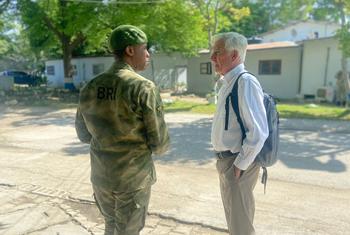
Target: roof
[
  {"x": 317, "y": 39},
  {"x": 271, "y": 45}
]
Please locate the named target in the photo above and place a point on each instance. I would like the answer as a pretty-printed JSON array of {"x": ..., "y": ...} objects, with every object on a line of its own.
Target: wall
[
  {"x": 84, "y": 68},
  {"x": 284, "y": 85},
  {"x": 6, "y": 83},
  {"x": 56, "y": 80},
  {"x": 317, "y": 72},
  {"x": 301, "y": 31},
  {"x": 198, "y": 83},
  {"x": 163, "y": 69},
  {"x": 164, "y": 74}
]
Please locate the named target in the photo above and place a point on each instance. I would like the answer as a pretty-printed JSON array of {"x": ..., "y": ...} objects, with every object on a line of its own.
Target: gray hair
[{"x": 233, "y": 41}]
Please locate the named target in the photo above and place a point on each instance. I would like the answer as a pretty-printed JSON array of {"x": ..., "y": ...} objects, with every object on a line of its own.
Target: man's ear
[
  {"x": 235, "y": 56},
  {"x": 129, "y": 51}
]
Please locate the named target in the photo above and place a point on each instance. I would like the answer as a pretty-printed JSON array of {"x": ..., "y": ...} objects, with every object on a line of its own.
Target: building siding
[
  {"x": 200, "y": 84},
  {"x": 284, "y": 85}
]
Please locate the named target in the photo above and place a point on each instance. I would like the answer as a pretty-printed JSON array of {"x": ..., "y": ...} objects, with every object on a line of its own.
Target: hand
[{"x": 237, "y": 172}]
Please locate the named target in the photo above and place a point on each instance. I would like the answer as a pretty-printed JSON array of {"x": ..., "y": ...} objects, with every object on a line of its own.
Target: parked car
[{"x": 21, "y": 77}]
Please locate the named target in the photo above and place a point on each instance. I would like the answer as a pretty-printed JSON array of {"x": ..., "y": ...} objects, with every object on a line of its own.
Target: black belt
[{"x": 225, "y": 154}]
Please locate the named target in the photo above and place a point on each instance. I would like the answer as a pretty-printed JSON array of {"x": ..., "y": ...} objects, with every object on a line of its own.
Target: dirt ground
[{"x": 308, "y": 189}]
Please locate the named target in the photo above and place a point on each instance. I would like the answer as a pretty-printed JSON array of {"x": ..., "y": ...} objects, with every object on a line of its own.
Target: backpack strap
[
  {"x": 234, "y": 101},
  {"x": 264, "y": 178},
  {"x": 235, "y": 105}
]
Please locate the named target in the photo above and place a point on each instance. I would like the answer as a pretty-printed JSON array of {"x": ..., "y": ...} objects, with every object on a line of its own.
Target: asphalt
[{"x": 174, "y": 210}]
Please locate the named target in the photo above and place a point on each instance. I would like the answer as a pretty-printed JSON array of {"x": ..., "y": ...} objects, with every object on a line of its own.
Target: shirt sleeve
[
  {"x": 253, "y": 114},
  {"x": 153, "y": 116},
  {"x": 81, "y": 129}
]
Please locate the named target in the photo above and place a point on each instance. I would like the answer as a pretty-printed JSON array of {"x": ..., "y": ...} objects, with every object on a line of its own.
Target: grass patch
[
  {"x": 186, "y": 106},
  {"x": 321, "y": 111},
  {"x": 52, "y": 103},
  {"x": 310, "y": 111}
]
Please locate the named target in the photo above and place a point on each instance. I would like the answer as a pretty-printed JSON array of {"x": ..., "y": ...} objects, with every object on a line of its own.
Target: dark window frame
[
  {"x": 205, "y": 68},
  {"x": 270, "y": 67},
  {"x": 97, "y": 67},
  {"x": 50, "y": 70}
]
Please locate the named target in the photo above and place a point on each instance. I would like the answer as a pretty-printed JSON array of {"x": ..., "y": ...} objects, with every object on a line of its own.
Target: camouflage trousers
[{"x": 124, "y": 212}]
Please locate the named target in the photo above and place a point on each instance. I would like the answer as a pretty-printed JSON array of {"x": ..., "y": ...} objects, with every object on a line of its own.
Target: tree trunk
[
  {"x": 345, "y": 77},
  {"x": 67, "y": 65},
  {"x": 344, "y": 64}
]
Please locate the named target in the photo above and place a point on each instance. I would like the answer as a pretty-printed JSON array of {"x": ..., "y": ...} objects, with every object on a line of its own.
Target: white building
[
  {"x": 166, "y": 70},
  {"x": 286, "y": 69},
  {"x": 302, "y": 30}
]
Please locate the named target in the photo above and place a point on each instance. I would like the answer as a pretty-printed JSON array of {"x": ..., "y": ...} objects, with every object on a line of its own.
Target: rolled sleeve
[
  {"x": 153, "y": 116},
  {"x": 81, "y": 129}
]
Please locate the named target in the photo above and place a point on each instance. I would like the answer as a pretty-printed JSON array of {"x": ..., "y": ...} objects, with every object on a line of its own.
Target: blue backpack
[{"x": 268, "y": 154}]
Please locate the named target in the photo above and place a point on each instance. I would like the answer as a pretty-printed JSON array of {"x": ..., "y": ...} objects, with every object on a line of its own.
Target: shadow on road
[
  {"x": 190, "y": 143},
  {"x": 314, "y": 150},
  {"x": 40, "y": 116},
  {"x": 77, "y": 148}
]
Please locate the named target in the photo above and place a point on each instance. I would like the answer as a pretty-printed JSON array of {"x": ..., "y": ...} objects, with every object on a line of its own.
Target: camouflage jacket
[{"x": 120, "y": 114}]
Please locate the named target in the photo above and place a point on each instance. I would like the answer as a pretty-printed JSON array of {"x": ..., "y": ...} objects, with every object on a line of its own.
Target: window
[
  {"x": 205, "y": 68},
  {"x": 50, "y": 70},
  {"x": 270, "y": 67},
  {"x": 74, "y": 70},
  {"x": 98, "y": 68}
]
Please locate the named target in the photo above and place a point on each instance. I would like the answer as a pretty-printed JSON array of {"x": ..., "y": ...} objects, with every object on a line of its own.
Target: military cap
[{"x": 126, "y": 35}]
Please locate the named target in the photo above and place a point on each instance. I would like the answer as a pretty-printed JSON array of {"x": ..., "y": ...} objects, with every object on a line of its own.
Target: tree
[
  {"x": 14, "y": 53},
  {"x": 4, "y": 44},
  {"x": 217, "y": 15},
  {"x": 337, "y": 11},
  {"x": 82, "y": 27},
  {"x": 170, "y": 26},
  {"x": 280, "y": 12},
  {"x": 344, "y": 36},
  {"x": 255, "y": 23},
  {"x": 59, "y": 23}
]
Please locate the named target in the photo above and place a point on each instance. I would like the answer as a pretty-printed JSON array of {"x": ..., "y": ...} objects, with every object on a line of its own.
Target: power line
[{"x": 116, "y": 2}]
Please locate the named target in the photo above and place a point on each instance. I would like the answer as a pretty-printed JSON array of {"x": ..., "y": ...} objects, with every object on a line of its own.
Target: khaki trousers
[
  {"x": 237, "y": 196},
  {"x": 124, "y": 212}
]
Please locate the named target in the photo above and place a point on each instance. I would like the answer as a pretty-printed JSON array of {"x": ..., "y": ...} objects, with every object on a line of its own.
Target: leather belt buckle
[
  {"x": 219, "y": 155},
  {"x": 225, "y": 154}
]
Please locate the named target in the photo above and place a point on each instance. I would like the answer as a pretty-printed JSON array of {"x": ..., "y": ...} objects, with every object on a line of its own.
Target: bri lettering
[{"x": 106, "y": 93}]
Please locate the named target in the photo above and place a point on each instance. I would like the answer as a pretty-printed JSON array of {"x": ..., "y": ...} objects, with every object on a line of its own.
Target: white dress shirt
[{"x": 253, "y": 115}]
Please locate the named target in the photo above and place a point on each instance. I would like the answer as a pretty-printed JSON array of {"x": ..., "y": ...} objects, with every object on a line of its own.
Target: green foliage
[
  {"x": 52, "y": 23},
  {"x": 187, "y": 106},
  {"x": 171, "y": 26},
  {"x": 218, "y": 15},
  {"x": 290, "y": 10},
  {"x": 255, "y": 21},
  {"x": 343, "y": 35},
  {"x": 313, "y": 111}
]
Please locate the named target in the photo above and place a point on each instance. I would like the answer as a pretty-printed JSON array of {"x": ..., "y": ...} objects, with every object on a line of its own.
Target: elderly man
[
  {"x": 238, "y": 173},
  {"x": 120, "y": 114}
]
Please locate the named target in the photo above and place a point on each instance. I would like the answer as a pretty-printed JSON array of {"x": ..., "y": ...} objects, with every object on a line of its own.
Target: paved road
[{"x": 45, "y": 188}]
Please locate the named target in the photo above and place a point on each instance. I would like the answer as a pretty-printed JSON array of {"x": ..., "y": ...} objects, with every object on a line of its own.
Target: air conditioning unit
[{"x": 325, "y": 94}]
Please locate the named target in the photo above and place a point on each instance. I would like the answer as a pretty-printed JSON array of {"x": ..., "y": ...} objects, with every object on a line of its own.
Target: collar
[
  {"x": 118, "y": 65},
  {"x": 233, "y": 73}
]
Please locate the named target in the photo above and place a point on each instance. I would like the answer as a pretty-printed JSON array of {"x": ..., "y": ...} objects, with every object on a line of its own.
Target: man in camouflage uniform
[{"x": 120, "y": 114}]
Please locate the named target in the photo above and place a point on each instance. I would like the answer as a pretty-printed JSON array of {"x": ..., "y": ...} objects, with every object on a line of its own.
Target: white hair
[{"x": 233, "y": 41}]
